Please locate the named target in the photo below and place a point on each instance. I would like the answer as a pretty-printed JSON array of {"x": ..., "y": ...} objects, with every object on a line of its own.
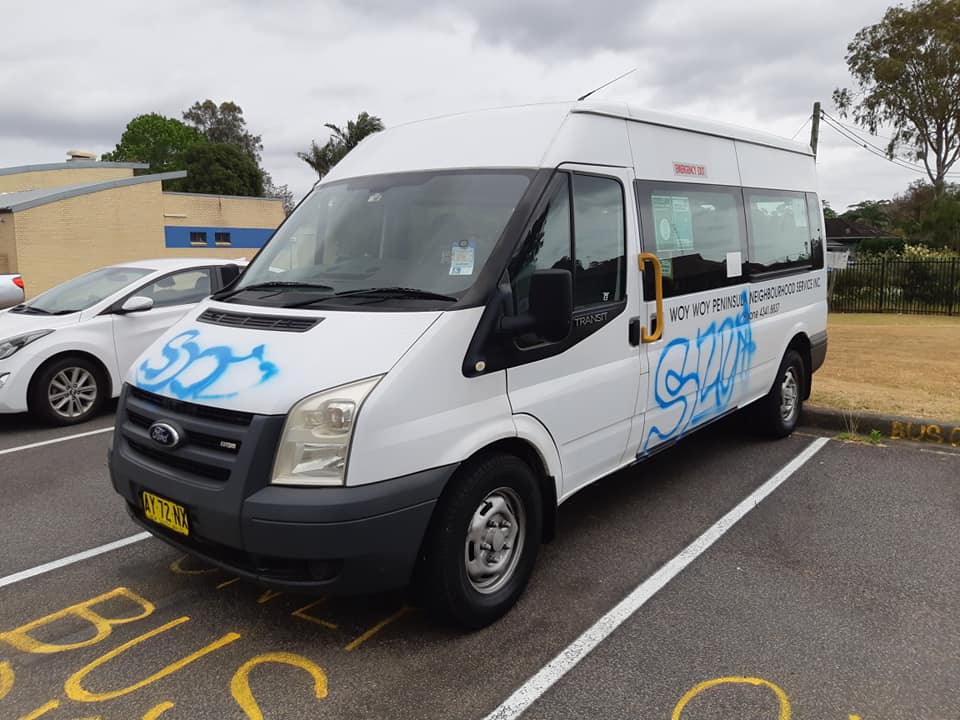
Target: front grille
[
  {"x": 204, "y": 412},
  {"x": 212, "y": 472},
  {"x": 228, "y": 445},
  {"x": 258, "y": 322}
]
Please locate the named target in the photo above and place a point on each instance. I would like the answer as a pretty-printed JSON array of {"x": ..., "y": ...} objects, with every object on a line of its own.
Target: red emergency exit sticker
[{"x": 689, "y": 169}]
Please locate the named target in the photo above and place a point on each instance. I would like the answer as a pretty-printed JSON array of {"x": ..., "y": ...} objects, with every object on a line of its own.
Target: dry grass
[{"x": 892, "y": 364}]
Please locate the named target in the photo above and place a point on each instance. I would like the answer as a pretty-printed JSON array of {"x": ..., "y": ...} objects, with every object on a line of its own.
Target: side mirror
[
  {"x": 135, "y": 304},
  {"x": 551, "y": 307}
]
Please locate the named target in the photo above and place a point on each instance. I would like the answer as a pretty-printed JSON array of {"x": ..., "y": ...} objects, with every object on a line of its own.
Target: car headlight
[
  {"x": 316, "y": 438},
  {"x": 9, "y": 346}
]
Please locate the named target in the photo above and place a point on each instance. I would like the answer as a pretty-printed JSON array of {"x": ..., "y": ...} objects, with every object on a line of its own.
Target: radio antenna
[{"x": 619, "y": 77}]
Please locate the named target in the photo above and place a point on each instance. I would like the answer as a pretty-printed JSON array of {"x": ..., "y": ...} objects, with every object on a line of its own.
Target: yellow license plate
[{"x": 166, "y": 513}]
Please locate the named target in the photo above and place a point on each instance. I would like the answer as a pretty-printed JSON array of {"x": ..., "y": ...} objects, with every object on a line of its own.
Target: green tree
[
  {"x": 828, "y": 212},
  {"x": 224, "y": 124},
  {"x": 280, "y": 192},
  {"x": 342, "y": 140},
  {"x": 156, "y": 140},
  {"x": 221, "y": 169},
  {"x": 920, "y": 215},
  {"x": 907, "y": 71},
  {"x": 869, "y": 212}
]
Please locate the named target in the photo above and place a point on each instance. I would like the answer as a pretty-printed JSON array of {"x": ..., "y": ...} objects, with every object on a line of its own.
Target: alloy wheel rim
[
  {"x": 72, "y": 392},
  {"x": 495, "y": 539}
]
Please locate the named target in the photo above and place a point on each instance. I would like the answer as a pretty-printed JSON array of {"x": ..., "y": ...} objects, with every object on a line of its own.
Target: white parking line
[
  {"x": 31, "y": 446},
  {"x": 71, "y": 559},
  {"x": 527, "y": 694}
]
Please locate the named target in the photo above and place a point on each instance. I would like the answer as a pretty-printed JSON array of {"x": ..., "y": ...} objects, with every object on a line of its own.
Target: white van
[{"x": 469, "y": 320}]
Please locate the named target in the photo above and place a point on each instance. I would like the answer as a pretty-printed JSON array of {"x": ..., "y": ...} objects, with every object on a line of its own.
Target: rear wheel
[
  {"x": 483, "y": 541},
  {"x": 779, "y": 411},
  {"x": 68, "y": 391}
]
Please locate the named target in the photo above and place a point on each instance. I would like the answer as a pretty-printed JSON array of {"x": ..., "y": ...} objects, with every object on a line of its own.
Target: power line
[
  {"x": 874, "y": 150},
  {"x": 856, "y": 128},
  {"x": 857, "y": 136},
  {"x": 802, "y": 127},
  {"x": 860, "y": 141}
]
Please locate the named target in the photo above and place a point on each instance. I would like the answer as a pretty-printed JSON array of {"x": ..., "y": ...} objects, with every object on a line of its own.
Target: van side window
[
  {"x": 692, "y": 228},
  {"x": 781, "y": 236},
  {"x": 547, "y": 244},
  {"x": 598, "y": 226},
  {"x": 816, "y": 222}
]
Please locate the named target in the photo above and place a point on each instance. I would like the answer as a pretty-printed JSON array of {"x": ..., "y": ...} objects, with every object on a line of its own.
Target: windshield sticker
[
  {"x": 734, "y": 264},
  {"x": 462, "y": 256},
  {"x": 674, "y": 223}
]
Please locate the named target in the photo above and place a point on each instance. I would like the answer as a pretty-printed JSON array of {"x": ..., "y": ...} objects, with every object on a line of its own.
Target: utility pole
[{"x": 815, "y": 128}]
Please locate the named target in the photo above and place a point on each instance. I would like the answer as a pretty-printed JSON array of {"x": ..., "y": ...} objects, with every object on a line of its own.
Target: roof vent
[{"x": 81, "y": 155}]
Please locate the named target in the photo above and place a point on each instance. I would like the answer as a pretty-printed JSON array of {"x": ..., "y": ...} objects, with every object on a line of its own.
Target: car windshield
[
  {"x": 406, "y": 235},
  {"x": 86, "y": 290}
]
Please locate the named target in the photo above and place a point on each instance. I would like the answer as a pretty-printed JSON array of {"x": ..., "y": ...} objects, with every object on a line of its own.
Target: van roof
[
  {"x": 526, "y": 136},
  {"x": 628, "y": 111}
]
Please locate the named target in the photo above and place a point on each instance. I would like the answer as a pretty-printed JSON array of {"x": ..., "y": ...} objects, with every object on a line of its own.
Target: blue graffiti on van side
[
  {"x": 191, "y": 372},
  {"x": 697, "y": 377}
]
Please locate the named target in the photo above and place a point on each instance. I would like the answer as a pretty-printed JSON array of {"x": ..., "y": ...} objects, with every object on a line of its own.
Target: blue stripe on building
[{"x": 180, "y": 237}]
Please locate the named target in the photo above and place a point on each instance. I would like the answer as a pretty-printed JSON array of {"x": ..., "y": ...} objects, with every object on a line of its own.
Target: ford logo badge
[{"x": 165, "y": 435}]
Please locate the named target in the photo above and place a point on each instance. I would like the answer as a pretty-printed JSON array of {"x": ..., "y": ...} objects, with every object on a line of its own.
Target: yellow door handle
[{"x": 642, "y": 259}]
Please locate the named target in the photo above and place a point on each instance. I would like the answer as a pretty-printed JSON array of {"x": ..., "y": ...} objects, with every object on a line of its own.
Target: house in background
[
  {"x": 844, "y": 237},
  {"x": 59, "y": 220}
]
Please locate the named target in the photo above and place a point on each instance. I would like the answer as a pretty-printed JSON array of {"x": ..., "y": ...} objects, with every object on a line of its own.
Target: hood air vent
[{"x": 258, "y": 322}]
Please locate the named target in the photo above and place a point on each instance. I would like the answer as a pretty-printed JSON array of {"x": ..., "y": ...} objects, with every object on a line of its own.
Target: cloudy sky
[{"x": 72, "y": 74}]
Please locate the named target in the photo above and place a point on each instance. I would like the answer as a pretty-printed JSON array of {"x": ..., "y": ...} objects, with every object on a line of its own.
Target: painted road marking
[
  {"x": 784, "y": 703},
  {"x": 71, "y": 559},
  {"x": 31, "y": 446},
  {"x": 567, "y": 659}
]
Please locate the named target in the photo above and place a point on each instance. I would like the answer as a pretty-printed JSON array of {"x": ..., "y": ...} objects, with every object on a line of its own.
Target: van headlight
[{"x": 317, "y": 435}]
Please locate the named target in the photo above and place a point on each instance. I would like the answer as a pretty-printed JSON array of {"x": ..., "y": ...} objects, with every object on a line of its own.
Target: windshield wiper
[
  {"x": 273, "y": 284},
  {"x": 23, "y": 308},
  {"x": 383, "y": 292}
]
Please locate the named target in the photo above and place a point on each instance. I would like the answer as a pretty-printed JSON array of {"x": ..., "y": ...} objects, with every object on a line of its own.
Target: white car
[
  {"x": 65, "y": 352},
  {"x": 11, "y": 290}
]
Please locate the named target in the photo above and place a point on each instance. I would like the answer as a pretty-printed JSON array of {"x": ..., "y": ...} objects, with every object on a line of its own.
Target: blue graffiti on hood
[
  {"x": 193, "y": 373},
  {"x": 697, "y": 377}
]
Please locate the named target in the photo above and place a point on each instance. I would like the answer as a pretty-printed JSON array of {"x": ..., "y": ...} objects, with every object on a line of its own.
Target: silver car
[{"x": 11, "y": 290}]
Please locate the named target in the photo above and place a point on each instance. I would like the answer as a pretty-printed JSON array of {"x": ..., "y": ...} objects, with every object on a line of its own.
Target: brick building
[{"x": 62, "y": 219}]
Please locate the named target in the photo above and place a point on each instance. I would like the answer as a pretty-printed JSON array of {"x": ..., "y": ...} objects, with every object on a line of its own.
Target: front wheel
[
  {"x": 68, "y": 391},
  {"x": 779, "y": 410},
  {"x": 483, "y": 541}
]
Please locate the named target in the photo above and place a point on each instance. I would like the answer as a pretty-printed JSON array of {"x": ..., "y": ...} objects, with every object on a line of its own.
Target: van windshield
[{"x": 423, "y": 235}]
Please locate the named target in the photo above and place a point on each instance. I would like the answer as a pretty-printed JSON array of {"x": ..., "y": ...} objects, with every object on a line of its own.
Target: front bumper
[
  {"x": 13, "y": 393},
  {"x": 344, "y": 539}
]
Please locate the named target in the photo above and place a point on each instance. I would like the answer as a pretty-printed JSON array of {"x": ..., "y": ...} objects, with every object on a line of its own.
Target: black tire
[
  {"x": 82, "y": 401},
  {"x": 443, "y": 581},
  {"x": 773, "y": 418}
]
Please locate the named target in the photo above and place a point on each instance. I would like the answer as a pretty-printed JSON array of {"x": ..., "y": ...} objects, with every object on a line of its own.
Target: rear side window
[
  {"x": 181, "y": 288},
  {"x": 695, "y": 230},
  {"x": 781, "y": 234}
]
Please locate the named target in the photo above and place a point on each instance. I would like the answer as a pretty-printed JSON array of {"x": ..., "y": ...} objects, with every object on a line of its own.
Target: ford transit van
[{"x": 467, "y": 321}]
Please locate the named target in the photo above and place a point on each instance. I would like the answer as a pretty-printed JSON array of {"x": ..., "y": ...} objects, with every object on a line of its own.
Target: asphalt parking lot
[{"x": 833, "y": 597}]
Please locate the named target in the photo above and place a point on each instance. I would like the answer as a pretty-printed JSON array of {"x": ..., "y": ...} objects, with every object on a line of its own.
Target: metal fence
[{"x": 924, "y": 287}]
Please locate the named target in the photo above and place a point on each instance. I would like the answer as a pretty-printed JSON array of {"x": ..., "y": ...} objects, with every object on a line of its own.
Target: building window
[
  {"x": 198, "y": 239},
  {"x": 222, "y": 239}
]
